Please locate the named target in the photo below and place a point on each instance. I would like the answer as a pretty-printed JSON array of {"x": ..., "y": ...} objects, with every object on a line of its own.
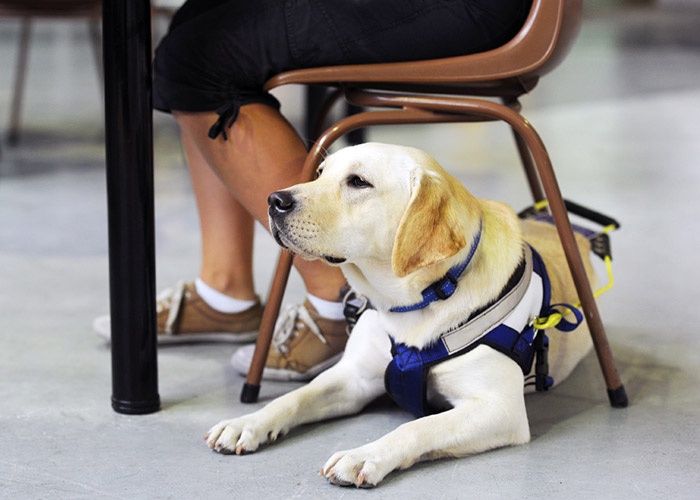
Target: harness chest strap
[{"x": 505, "y": 326}]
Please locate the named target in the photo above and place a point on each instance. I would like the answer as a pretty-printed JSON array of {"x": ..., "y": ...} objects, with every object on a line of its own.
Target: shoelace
[
  {"x": 292, "y": 319},
  {"x": 171, "y": 298}
]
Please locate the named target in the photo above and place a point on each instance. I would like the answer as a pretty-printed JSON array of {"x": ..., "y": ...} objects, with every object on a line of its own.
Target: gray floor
[{"x": 619, "y": 118}]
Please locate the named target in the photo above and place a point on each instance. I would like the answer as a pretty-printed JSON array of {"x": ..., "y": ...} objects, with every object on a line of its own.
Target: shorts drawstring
[{"x": 227, "y": 115}]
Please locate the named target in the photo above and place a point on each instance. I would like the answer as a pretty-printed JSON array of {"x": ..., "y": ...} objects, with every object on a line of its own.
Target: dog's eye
[{"x": 358, "y": 182}]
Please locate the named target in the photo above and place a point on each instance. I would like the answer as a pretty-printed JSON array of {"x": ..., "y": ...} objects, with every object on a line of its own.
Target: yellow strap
[
  {"x": 549, "y": 322},
  {"x": 541, "y": 204},
  {"x": 553, "y": 319}
]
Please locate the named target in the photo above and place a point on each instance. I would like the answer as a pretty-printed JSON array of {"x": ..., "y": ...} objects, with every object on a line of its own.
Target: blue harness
[{"x": 406, "y": 376}]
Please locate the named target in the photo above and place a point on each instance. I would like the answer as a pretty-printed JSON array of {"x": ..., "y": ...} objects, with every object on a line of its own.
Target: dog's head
[{"x": 376, "y": 201}]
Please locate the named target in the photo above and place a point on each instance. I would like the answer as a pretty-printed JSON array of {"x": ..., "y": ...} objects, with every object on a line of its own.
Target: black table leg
[{"x": 129, "y": 147}]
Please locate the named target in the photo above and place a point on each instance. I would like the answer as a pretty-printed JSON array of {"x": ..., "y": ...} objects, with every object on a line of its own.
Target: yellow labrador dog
[{"x": 397, "y": 224}]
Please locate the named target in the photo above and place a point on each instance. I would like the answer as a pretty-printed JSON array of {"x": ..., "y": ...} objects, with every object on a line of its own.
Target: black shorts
[{"x": 218, "y": 53}]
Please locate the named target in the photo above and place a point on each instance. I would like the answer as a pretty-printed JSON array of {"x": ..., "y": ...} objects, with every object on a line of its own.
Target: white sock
[
  {"x": 326, "y": 308},
  {"x": 220, "y": 301}
]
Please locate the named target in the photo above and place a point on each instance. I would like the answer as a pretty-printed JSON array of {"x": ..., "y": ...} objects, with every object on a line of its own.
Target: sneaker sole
[
  {"x": 188, "y": 338},
  {"x": 281, "y": 374},
  {"x": 211, "y": 337}
]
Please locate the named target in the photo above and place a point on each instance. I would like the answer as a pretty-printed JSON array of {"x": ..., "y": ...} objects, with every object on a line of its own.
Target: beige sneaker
[
  {"x": 303, "y": 345},
  {"x": 183, "y": 317}
]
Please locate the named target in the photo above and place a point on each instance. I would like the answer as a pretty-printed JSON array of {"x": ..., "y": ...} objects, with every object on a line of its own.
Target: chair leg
[
  {"x": 323, "y": 109},
  {"x": 314, "y": 102},
  {"x": 20, "y": 77},
  {"x": 529, "y": 167},
  {"x": 318, "y": 105},
  {"x": 533, "y": 179},
  {"x": 616, "y": 390},
  {"x": 251, "y": 388},
  {"x": 358, "y": 136}
]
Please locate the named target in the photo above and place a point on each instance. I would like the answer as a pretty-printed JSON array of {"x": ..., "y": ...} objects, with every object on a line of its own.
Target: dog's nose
[{"x": 281, "y": 201}]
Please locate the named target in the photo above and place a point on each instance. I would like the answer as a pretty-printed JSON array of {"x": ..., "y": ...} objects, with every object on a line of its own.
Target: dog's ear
[{"x": 432, "y": 227}]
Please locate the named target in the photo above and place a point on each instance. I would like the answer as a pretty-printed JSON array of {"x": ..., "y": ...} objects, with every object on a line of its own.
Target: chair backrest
[{"x": 544, "y": 40}]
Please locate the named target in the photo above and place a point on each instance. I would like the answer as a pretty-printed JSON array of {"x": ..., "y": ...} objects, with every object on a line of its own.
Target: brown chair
[
  {"x": 27, "y": 10},
  {"x": 457, "y": 90}
]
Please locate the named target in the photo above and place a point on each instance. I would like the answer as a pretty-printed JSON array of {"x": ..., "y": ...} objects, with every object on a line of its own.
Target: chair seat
[
  {"x": 507, "y": 87},
  {"x": 512, "y": 69}
]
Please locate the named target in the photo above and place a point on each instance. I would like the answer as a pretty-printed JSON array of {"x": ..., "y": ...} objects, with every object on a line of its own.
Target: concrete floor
[{"x": 619, "y": 119}]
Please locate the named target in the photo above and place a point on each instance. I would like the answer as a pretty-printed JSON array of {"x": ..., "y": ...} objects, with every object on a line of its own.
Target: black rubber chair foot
[
  {"x": 250, "y": 392},
  {"x": 136, "y": 407},
  {"x": 618, "y": 397}
]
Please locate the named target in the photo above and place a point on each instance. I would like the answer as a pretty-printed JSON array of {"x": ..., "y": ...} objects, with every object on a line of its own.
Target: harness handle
[{"x": 607, "y": 222}]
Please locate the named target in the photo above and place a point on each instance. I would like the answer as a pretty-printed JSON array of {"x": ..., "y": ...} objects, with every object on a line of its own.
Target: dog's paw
[
  {"x": 239, "y": 436},
  {"x": 361, "y": 467}
]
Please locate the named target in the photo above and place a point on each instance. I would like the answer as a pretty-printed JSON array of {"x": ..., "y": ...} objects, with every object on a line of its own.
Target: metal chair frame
[{"x": 453, "y": 90}]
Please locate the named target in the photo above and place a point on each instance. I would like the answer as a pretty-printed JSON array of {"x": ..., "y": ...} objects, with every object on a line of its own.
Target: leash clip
[{"x": 352, "y": 312}]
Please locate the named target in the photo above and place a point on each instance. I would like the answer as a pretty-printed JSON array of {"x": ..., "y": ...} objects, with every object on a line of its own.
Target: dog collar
[{"x": 443, "y": 288}]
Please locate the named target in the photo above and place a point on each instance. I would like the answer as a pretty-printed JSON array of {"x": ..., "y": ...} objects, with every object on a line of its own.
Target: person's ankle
[
  {"x": 334, "y": 292},
  {"x": 224, "y": 283},
  {"x": 327, "y": 308},
  {"x": 220, "y": 301}
]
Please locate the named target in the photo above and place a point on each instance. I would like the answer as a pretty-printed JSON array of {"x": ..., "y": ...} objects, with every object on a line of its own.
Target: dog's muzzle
[{"x": 282, "y": 204}]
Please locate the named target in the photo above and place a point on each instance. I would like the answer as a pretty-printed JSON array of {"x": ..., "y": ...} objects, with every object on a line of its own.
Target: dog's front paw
[
  {"x": 239, "y": 436},
  {"x": 362, "y": 467}
]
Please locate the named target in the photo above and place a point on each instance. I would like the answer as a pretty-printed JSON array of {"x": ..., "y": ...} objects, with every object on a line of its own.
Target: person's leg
[
  {"x": 226, "y": 230},
  {"x": 262, "y": 154},
  {"x": 219, "y": 56},
  {"x": 221, "y": 305}
]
